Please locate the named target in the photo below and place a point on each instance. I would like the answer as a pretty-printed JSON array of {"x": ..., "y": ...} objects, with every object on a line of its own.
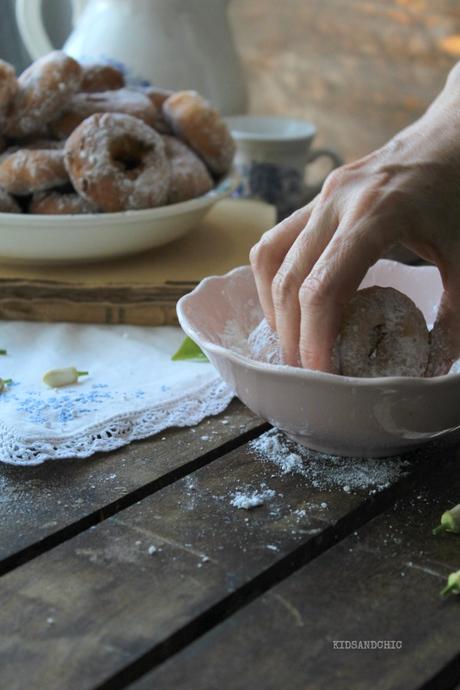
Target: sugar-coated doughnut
[
  {"x": 7, "y": 203},
  {"x": 189, "y": 175},
  {"x": 101, "y": 77},
  {"x": 56, "y": 202},
  {"x": 118, "y": 162},
  {"x": 83, "y": 105},
  {"x": 264, "y": 344},
  {"x": 44, "y": 89},
  {"x": 200, "y": 125},
  {"x": 26, "y": 171},
  {"x": 383, "y": 333},
  {"x": 8, "y": 90}
]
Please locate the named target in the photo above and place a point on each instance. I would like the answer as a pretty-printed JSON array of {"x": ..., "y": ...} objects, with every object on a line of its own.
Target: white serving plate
[{"x": 52, "y": 239}]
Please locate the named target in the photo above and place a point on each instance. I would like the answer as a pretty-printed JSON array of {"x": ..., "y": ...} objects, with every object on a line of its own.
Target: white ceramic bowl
[
  {"x": 55, "y": 239},
  {"x": 326, "y": 412}
]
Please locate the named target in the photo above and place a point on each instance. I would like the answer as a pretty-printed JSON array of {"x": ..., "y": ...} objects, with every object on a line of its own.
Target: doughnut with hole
[{"x": 118, "y": 163}]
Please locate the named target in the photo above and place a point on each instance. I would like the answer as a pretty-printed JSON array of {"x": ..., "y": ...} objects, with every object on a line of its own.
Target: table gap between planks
[{"x": 134, "y": 570}]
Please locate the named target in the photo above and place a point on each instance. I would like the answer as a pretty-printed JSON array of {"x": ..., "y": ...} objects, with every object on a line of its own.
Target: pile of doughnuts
[{"x": 75, "y": 139}]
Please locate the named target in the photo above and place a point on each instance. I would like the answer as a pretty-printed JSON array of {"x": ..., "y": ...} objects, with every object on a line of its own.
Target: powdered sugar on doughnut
[
  {"x": 83, "y": 105},
  {"x": 383, "y": 334},
  {"x": 98, "y": 157},
  {"x": 60, "y": 203},
  {"x": 200, "y": 125},
  {"x": 44, "y": 89},
  {"x": 264, "y": 344},
  {"x": 189, "y": 176},
  {"x": 25, "y": 171}
]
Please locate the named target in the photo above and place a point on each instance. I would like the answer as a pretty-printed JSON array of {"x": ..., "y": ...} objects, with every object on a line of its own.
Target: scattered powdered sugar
[
  {"x": 248, "y": 499},
  {"x": 326, "y": 472}
]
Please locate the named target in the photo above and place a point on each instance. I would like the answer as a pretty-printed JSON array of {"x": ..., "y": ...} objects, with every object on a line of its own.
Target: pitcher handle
[
  {"x": 30, "y": 23},
  {"x": 336, "y": 163},
  {"x": 29, "y": 19}
]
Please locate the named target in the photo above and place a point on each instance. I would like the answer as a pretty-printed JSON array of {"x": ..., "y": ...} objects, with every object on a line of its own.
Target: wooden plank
[
  {"x": 101, "y": 602},
  {"x": 40, "y": 506},
  {"x": 381, "y": 583}
]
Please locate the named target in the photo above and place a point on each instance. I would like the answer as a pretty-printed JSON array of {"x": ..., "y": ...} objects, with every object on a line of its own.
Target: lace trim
[{"x": 116, "y": 431}]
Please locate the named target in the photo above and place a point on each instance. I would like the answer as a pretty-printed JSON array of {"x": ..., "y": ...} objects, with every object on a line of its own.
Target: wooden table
[{"x": 133, "y": 570}]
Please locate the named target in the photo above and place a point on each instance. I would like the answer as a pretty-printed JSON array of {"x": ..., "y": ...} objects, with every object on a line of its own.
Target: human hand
[{"x": 308, "y": 267}]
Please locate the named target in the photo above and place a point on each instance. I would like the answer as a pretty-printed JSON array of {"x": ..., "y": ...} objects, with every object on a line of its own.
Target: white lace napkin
[{"x": 133, "y": 390}]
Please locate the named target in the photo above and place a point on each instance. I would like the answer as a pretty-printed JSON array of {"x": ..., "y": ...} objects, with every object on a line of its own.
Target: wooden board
[
  {"x": 111, "y": 602},
  {"x": 380, "y": 583},
  {"x": 87, "y": 603},
  {"x": 44, "y": 505},
  {"x": 141, "y": 289}
]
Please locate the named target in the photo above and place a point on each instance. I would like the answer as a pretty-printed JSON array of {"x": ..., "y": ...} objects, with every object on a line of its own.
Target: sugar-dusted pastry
[
  {"x": 118, "y": 163},
  {"x": 201, "y": 126},
  {"x": 383, "y": 333}
]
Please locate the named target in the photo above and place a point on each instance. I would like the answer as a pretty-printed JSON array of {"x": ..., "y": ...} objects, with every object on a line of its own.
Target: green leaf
[{"x": 189, "y": 351}]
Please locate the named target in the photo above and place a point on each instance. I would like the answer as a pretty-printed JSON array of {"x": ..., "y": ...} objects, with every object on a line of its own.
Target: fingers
[
  {"x": 267, "y": 255},
  {"x": 297, "y": 264},
  {"x": 330, "y": 286}
]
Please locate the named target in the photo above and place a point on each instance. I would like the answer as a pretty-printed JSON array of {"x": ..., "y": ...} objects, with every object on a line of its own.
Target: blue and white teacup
[{"x": 272, "y": 158}]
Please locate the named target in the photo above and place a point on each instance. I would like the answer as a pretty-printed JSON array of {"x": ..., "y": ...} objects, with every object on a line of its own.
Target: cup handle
[{"x": 319, "y": 153}]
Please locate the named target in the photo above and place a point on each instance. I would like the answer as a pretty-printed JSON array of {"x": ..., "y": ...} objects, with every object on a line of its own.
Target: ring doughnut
[
  {"x": 189, "y": 175},
  {"x": 117, "y": 163},
  {"x": 58, "y": 203},
  {"x": 44, "y": 89},
  {"x": 264, "y": 344},
  {"x": 7, "y": 203},
  {"x": 383, "y": 333},
  {"x": 101, "y": 77},
  {"x": 31, "y": 170},
  {"x": 201, "y": 127},
  {"x": 8, "y": 89},
  {"x": 83, "y": 105}
]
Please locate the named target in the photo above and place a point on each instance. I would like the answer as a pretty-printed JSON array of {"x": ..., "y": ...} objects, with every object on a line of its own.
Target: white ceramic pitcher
[{"x": 178, "y": 44}]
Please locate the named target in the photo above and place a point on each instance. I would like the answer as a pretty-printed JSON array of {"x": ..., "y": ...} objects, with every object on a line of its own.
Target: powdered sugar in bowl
[{"x": 335, "y": 414}]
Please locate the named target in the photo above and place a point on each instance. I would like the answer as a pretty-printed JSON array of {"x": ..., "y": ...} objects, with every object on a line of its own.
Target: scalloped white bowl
[
  {"x": 330, "y": 413},
  {"x": 47, "y": 239}
]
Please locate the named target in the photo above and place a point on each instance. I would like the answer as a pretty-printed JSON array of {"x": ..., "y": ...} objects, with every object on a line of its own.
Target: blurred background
[{"x": 360, "y": 70}]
